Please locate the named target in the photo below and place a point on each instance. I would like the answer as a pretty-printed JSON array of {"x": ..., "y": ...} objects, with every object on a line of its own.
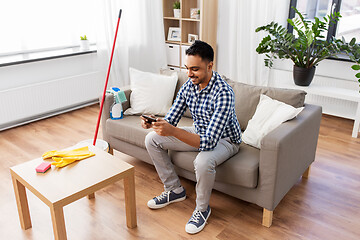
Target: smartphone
[{"x": 148, "y": 118}]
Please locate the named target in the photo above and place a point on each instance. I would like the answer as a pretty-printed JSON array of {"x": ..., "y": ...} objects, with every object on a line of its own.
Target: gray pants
[{"x": 204, "y": 164}]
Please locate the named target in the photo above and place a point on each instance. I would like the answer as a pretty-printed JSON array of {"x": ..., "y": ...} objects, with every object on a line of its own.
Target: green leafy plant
[
  {"x": 309, "y": 47},
  {"x": 306, "y": 50},
  {"x": 176, "y": 5},
  {"x": 198, "y": 12},
  {"x": 352, "y": 49},
  {"x": 83, "y": 37}
]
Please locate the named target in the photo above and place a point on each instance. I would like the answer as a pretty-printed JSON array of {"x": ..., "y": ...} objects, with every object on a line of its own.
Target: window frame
[{"x": 331, "y": 30}]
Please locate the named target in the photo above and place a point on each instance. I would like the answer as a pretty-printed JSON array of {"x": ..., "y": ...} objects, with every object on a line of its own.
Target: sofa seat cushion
[
  {"x": 129, "y": 129},
  {"x": 242, "y": 169}
]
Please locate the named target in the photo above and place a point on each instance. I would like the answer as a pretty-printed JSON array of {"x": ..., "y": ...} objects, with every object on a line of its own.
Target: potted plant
[
  {"x": 176, "y": 7},
  {"x": 198, "y": 14},
  {"x": 353, "y": 51},
  {"x": 84, "y": 43},
  {"x": 306, "y": 50}
]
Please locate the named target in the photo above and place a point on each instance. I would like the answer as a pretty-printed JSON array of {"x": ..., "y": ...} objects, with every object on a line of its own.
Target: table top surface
[{"x": 60, "y": 183}]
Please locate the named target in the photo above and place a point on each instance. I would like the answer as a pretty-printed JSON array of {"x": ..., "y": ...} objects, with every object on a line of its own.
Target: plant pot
[
  {"x": 84, "y": 45},
  {"x": 177, "y": 13},
  {"x": 303, "y": 76}
]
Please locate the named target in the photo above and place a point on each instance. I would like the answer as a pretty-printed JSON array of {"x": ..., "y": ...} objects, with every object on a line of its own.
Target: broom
[{"x": 106, "y": 82}]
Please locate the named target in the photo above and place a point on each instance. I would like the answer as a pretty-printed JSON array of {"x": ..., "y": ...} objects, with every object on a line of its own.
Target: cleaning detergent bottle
[{"x": 116, "y": 110}]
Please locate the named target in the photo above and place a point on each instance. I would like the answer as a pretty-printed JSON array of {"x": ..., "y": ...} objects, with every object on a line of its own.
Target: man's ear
[{"x": 210, "y": 66}]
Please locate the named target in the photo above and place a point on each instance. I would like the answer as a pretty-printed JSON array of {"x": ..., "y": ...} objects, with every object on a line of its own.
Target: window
[
  {"x": 348, "y": 26},
  {"x": 36, "y": 25}
]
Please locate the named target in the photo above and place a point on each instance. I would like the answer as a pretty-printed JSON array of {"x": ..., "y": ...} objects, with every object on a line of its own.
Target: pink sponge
[{"x": 43, "y": 167}]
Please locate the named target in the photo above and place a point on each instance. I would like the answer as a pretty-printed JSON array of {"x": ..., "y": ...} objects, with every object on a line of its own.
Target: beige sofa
[{"x": 258, "y": 176}]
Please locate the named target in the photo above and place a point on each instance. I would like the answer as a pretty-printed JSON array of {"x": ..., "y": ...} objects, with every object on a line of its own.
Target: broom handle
[{"x": 106, "y": 82}]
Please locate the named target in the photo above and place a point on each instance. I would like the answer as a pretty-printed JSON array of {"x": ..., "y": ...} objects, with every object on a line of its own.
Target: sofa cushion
[
  {"x": 269, "y": 115},
  {"x": 247, "y": 98},
  {"x": 151, "y": 93},
  {"x": 241, "y": 169},
  {"x": 129, "y": 129}
]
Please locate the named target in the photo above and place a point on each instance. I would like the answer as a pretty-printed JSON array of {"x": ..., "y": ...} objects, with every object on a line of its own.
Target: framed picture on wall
[
  {"x": 192, "y": 38},
  {"x": 174, "y": 34}
]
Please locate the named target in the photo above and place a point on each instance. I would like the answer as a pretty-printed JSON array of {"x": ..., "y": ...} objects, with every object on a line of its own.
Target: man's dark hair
[{"x": 202, "y": 49}]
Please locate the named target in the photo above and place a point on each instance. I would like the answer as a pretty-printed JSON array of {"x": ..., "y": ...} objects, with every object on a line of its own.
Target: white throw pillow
[
  {"x": 269, "y": 115},
  {"x": 151, "y": 93}
]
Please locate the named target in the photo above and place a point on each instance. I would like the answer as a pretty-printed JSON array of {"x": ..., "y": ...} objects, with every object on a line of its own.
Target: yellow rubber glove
[
  {"x": 63, "y": 158},
  {"x": 62, "y": 162},
  {"x": 67, "y": 153}
]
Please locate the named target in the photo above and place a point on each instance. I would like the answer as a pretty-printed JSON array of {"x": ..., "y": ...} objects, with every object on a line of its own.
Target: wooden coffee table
[{"x": 60, "y": 186}]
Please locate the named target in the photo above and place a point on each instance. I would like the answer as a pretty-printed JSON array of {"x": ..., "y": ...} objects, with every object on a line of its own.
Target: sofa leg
[
  {"x": 111, "y": 150},
  {"x": 306, "y": 173},
  {"x": 267, "y": 218}
]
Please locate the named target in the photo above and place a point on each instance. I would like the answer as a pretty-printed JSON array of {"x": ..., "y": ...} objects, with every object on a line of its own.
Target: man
[{"x": 215, "y": 134}]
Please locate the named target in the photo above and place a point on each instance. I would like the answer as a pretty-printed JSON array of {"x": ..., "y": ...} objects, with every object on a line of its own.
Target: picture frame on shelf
[
  {"x": 194, "y": 13},
  {"x": 174, "y": 34},
  {"x": 192, "y": 38}
]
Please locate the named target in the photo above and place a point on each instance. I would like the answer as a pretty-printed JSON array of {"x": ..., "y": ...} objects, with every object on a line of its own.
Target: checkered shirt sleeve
[
  {"x": 224, "y": 105},
  {"x": 178, "y": 108}
]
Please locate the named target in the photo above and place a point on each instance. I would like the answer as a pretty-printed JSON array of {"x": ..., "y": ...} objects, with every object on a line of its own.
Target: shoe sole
[
  {"x": 165, "y": 204},
  {"x": 202, "y": 227}
]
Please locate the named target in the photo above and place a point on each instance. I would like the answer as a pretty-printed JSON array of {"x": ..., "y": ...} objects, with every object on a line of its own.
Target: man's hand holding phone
[
  {"x": 147, "y": 121},
  {"x": 160, "y": 126}
]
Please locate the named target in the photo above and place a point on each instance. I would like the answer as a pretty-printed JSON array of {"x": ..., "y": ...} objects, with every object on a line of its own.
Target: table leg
[
  {"x": 130, "y": 201},
  {"x": 356, "y": 122},
  {"x": 22, "y": 204},
  {"x": 92, "y": 195},
  {"x": 58, "y": 221}
]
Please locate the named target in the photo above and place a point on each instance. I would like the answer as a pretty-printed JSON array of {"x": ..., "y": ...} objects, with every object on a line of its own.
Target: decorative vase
[
  {"x": 177, "y": 13},
  {"x": 303, "y": 76},
  {"x": 84, "y": 45}
]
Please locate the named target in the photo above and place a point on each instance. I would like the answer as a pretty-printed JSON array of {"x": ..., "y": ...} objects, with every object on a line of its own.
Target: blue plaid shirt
[{"x": 212, "y": 109}]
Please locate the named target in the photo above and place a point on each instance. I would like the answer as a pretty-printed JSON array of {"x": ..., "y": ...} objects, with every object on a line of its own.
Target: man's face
[{"x": 200, "y": 71}]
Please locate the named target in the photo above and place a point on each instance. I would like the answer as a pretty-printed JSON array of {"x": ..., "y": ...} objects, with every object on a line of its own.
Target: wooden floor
[{"x": 326, "y": 206}]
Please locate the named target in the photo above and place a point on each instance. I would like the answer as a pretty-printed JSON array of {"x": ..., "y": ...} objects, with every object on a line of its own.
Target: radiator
[
  {"x": 36, "y": 101},
  {"x": 331, "y": 106}
]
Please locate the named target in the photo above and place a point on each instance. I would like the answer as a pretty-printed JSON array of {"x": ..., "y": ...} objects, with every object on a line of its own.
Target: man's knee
[
  {"x": 203, "y": 165},
  {"x": 149, "y": 139}
]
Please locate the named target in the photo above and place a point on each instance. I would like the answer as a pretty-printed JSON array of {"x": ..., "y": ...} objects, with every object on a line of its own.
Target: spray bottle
[{"x": 116, "y": 110}]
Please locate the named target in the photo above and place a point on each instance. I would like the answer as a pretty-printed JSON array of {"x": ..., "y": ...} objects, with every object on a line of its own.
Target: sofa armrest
[
  {"x": 109, "y": 100},
  {"x": 286, "y": 152},
  {"x": 127, "y": 92}
]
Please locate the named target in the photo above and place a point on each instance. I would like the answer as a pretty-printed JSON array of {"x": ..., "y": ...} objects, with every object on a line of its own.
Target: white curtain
[
  {"x": 140, "y": 41},
  {"x": 237, "y": 39}
]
